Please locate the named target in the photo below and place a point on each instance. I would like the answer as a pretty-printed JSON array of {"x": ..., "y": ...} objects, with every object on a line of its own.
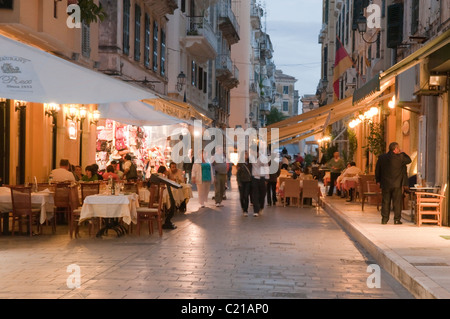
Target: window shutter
[{"x": 394, "y": 25}]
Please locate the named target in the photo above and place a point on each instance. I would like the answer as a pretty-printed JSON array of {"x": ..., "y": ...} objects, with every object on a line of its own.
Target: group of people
[
  {"x": 206, "y": 172},
  {"x": 117, "y": 170},
  {"x": 390, "y": 175}
]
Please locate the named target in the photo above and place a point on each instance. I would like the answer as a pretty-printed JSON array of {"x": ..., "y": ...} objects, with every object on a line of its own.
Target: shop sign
[{"x": 17, "y": 75}]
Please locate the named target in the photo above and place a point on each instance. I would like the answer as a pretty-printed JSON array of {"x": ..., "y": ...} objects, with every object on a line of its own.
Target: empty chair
[
  {"x": 62, "y": 203},
  {"x": 292, "y": 190},
  {"x": 88, "y": 189},
  {"x": 21, "y": 204},
  {"x": 75, "y": 211},
  {"x": 362, "y": 187},
  {"x": 130, "y": 188},
  {"x": 310, "y": 189},
  {"x": 152, "y": 213},
  {"x": 373, "y": 194},
  {"x": 429, "y": 207}
]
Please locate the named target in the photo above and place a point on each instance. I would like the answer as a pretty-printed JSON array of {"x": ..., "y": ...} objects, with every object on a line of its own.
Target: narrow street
[{"x": 215, "y": 253}]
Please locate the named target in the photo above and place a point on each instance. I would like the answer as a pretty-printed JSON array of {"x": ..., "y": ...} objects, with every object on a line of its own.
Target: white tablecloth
[
  {"x": 179, "y": 195},
  {"x": 43, "y": 200},
  {"x": 110, "y": 206}
]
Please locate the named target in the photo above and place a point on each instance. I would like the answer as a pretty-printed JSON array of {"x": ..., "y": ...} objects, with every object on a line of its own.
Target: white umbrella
[
  {"x": 136, "y": 113},
  {"x": 30, "y": 74}
]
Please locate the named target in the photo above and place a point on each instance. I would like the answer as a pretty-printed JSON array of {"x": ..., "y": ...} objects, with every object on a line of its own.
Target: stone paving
[{"x": 215, "y": 253}]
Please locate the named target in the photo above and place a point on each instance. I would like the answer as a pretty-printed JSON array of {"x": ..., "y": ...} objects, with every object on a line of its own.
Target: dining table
[
  {"x": 43, "y": 199},
  {"x": 112, "y": 209},
  {"x": 180, "y": 195}
]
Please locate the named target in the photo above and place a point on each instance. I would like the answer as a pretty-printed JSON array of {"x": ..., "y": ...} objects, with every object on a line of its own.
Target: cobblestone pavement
[{"x": 215, "y": 253}]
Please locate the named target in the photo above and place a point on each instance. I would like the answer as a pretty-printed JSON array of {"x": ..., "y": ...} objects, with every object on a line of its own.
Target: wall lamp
[
  {"x": 361, "y": 21},
  {"x": 20, "y": 105},
  {"x": 181, "y": 81},
  {"x": 75, "y": 113},
  {"x": 51, "y": 110},
  {"x": 95, "y": 117}
]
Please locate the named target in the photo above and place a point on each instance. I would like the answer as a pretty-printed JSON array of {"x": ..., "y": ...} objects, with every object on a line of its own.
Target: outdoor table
[
  {"x": 112, "y": 208},
  {"x": 180, "y": 195},
  {"x": 43, "y": 200}
]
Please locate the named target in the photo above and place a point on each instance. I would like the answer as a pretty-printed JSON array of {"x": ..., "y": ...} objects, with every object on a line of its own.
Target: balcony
[
  {"x": 226, "y": 72},
  {"x": 255, "y": 16},
  {"x": 228, "y": 23},
  {"x": 162, "y": 7},
  {"x": 200, "y": 40}
]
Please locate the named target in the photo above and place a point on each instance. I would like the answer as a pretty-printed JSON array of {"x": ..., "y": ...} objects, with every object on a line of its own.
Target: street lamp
[
  {"x": 181, "y": 81},
  {"x": 361, "y": 22}
]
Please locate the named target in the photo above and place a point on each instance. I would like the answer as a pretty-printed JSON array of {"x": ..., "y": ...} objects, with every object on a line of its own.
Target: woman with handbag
[{"x": 202, "y": 176}]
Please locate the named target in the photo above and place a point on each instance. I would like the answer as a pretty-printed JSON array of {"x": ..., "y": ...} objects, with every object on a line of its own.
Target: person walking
[
  {"x": 260, "y": 176},
  {"x": 244, "y": 180},
  {"x": 336, "y": 165},
  {"x": 389, "y": 174},
  {"x": 272, "y": 187},
  {"x": 220, "y": 169},
  {"x": 202, "y": 176}
]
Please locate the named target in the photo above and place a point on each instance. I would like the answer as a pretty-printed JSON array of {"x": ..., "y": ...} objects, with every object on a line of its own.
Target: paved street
[{"x": 215, "y": 253}]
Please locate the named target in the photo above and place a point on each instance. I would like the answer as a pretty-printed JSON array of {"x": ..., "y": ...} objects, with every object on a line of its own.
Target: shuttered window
[
  {"x": 414, "y": 16},
  {"x": 394, "y": 25},
  {"x": 163, "y": 52},
  {"x": 147, "y": 41},
  {"x": 155, "y": 46},
  {"x": 126, "y": 27},
  {"x": 137, "y": 33},
  {"x": 85, "y": 40}
]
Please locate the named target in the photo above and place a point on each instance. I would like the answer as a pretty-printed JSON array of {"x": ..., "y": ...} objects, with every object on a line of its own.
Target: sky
[{"x": 293, "y": 27}]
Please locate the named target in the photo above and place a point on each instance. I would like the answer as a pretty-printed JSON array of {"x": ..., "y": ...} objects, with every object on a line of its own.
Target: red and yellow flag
[{"x": 341, "y": 63}]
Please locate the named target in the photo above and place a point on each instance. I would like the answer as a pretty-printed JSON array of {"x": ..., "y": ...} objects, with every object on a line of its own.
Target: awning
[
  {"x": 30, "y": 74},
  {"x": 371, "y": 87},
  {"x": 136, "y": 113},
  {"x": 416, "y": 57},
  {"x": 178, "y": 109},
  {"x": 316, "y": 122}
]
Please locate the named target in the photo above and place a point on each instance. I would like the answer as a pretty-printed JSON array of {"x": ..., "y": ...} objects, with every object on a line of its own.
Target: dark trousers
[
  {"x": 333, "y": 178},
  {"x": 271, "y": 192},
  {"x": 258, "y": 194},
  {"x": 171, "y": 211},
  {"x": 393, "y": 195},
  {"x": 244, "y": 195}
]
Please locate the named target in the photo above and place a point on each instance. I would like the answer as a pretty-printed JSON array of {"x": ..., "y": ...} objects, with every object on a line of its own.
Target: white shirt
[
  {"x": 261, "y": 167},
  {"x": 62, "y": 175}
]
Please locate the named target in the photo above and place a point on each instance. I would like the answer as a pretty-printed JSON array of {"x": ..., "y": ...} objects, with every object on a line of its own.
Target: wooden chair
[
  {"x": 362, "y": 188},
  {"x": 373, "y": 194},
  {"x": 75, "y": 211},
  {"x": 21, "y": 204},
  {"x": 311, "y": 190},
  {"x": 88, "y": 189},
  {"x": 62, "y": 203},
  {"x": 130, "y": 187},
  {"x": 150, "y": 213},
  {"x": 430, "y": 205},
  {"x": 292, "y": 190}
]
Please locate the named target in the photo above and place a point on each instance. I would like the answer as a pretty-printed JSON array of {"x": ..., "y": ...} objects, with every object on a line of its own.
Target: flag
[{"x": 341, "y": 63}]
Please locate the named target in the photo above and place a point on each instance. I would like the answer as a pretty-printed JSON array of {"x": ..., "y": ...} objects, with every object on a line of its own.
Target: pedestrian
[
  {"x": 389, "y": 174},
  {"x": 129, "y": 169},
  {"x": 336, "y": 165},
  {"x": 260, "y": 176},
  {"x": 272, "y": 186},
  {"x": 244, "y": 180},
  {"x": 202, "y": 176},
  {"x": 220, "y": 169}
]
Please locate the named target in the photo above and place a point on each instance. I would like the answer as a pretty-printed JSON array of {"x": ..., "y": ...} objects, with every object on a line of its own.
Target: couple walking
[
  {"x": 207, "y": 172},
  {"x": 252, "y": 178}
]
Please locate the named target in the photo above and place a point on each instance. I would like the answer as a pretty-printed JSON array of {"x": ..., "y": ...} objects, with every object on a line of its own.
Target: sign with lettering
[{"x": 17, "y": 75}]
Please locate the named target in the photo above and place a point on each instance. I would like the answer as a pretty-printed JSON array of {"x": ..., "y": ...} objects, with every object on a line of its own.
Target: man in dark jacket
[
  {"x": 389, "y": 173},
  {"x": 244, "y": 179}
]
